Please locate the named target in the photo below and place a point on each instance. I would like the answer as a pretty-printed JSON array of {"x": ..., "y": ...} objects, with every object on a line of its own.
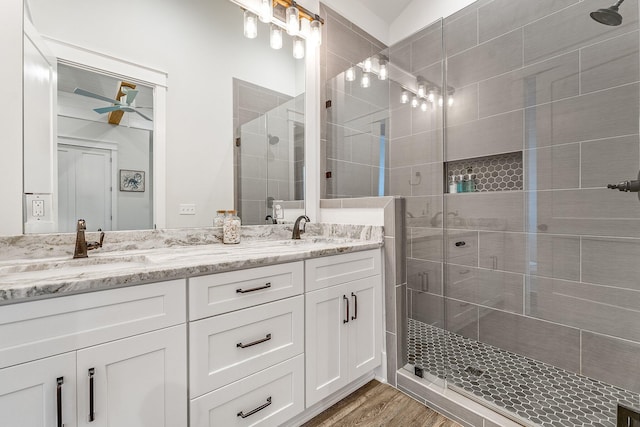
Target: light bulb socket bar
[{"x": 304, "y": 13}]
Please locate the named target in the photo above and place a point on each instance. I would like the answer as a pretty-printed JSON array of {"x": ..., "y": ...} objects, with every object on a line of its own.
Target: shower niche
[{"x": 500, "y": 172}]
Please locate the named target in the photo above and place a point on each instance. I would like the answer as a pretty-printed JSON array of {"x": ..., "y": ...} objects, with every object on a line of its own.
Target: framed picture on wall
[{"x": 132, "y": 180}]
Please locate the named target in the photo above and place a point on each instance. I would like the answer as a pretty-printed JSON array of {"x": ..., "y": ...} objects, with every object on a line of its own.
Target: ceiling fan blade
[
  {"x": 142, "y": 115},
  {"x": 95, "y": 95},
  {"x": 107, "y": 109},
  {"x": 131, "y": 95}
]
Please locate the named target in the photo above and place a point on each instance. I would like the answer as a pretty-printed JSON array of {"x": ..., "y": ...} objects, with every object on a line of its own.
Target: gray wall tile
[
  {"x": 429, "y": 182},
  {"x": 543, "y": 82},
  {"x": 554, "y": 168},
  {"x": 493, "y": 135},
  {"x": 392, "y": 360},
  {"x": 424, "y": 211},
  {"x": 603, "y": 309},
  {"x": 399, "y": 181},
  {"x": 425, "y": 147},
  {"x": 611, "y": 261},
  {"x": 465, "y": 106},
  {"x": 346, "y": 43},
  {"x": 610, "y": 113},
  {"x": 600, "y": 354},
  {"x": 424, "y": 276},
  {"x": 571, "y": 28},
  {"x": 461, "y": 247},
  {"x": 401, "y": 324},
  {"x": 400, "y": 125},
  {"x": 462, "y": 318},
  {"x": 471, "y": 65},
  {"x": 426, "y": 244},
  {"x": 497, "y": 211},
  {"x": 613, "y": 62},
  {"x": 500, "y": 16},
  {"x": 427, "y": 308},
  {"x": 609, "y": 161},
  {"x": 390, "y": 284},
  {"x": 489, "y": 288},
  {"x": 426, "y": 49},
  {"x": 461, "y": 33},
  {"x": 551, "y": 343}
]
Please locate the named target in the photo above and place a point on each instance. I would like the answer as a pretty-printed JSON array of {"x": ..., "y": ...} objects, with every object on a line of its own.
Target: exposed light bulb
[
  {"x": 298, "y": 48},
  {"x": 414, "y": 101},
  {"x": 250, "y": 25},
  {"x": 450, "y": 101},
  {"x": 367, "y": 64},
  {"x": 350, "y": 74},
  {"x": 293, "y": 21},
  {"x": 440, "y": 102},
  {"x": 432, "y": 97},
  {"x": 275, "y": 38},
  {"x": 383, "y": 71},
  {"x": 365, "y": 81},
  {"x": 422, "y": 90},
  {"x": 423, "y": 105},
  {"x": 316, "y": 32},
  {"x": 266, "y": 10},
  {"x": 404, "y": 98}
]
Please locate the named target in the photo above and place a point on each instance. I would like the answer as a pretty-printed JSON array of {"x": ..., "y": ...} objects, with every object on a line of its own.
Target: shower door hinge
[
  {"x": 327, "y": 104},
  {"x": 237, "y": 142}
]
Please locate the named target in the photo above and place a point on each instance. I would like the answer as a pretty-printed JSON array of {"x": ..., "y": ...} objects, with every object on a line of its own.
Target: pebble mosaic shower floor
[{"x": 535, "y": 391}]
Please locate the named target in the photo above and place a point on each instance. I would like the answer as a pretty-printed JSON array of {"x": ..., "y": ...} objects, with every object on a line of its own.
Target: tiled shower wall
[
  {"x": 355, "y": 126},
  {"x": 550, "y": 272}
]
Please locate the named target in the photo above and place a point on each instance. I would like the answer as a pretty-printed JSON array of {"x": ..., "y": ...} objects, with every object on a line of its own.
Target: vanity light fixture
[
  {"x": 414, "y": 101},
  {"x": 293, "y": 21},
  {"x": 250, "y": 25},
  {"x": 367, "y": 65},
  {"x": 423, "y": 105},
  {"x": 383, "y": 70},
  {"x": 266, "y": 10},
  {"x": 275, "y": 37},
  {"x": 440, "y": 101},
  {"x": 350, "y": 74},
  {"x": 432, "y": 96},
  {"x": 316, "y": 32},
  {"x": 422, "y": 89},
  {"x": 450, "y": 100},
  {"x": 404, "y": 98},
  {"x": 298, "y": 48},
  {"x": 365, "y": 81}
]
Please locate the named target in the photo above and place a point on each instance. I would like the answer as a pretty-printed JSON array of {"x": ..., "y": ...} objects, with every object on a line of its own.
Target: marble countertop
[{"x": 158, "y": 255}]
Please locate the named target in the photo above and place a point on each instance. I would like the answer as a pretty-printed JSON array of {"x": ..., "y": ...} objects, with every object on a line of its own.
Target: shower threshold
[{"x": 514, "y": 385}]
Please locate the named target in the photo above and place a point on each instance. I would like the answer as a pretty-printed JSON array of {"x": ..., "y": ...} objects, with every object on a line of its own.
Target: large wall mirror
[{"x": 222, "y": 127}]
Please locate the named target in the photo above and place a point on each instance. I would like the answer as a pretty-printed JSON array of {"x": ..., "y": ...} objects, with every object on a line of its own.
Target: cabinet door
[
  {"x": 365, "y": 326},
  {"x": 134, "y": 382},
  {"x": 40, "y": 393},
  {"x": 326, "y": 342}
]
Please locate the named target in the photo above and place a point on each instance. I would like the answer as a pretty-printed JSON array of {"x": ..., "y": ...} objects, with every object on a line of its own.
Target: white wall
[
  {"x": 200, "y": 44},
  {"x": 11, "y": 117},
  {"x": 420, "y": 13}
]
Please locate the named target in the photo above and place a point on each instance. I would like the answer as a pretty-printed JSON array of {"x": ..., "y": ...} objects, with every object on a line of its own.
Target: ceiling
[
  {"x": 387, "y": 10},
  {"x": 70, "y": 78}
]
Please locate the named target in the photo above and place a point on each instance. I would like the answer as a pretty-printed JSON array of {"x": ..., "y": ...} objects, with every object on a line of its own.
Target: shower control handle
[{"x": 626, "y": 186}]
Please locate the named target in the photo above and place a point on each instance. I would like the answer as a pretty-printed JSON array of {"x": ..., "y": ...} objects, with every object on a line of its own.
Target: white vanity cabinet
[
  {"x": 343, "y": 328},
  {"x": 246, "y": 344},
  {"x": 124, "y": 350}
]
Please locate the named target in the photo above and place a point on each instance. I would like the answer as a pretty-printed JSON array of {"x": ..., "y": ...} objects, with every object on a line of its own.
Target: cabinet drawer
[
  {"x": 333, "y": 270},
  {"x": 234, "y": 290},
  {"x": 268, "y": 398},
  {"x": 37, "y": 329},
  {"x": 231, "y": 346}
]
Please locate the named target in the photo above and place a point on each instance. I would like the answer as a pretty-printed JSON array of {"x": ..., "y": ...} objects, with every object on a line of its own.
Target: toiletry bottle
[
  {"x": 231, "y": 228},
  {"x": 453, "y": 185},
  {"x": 470, "y": 184},
  {"x": 461, "y": 184}
]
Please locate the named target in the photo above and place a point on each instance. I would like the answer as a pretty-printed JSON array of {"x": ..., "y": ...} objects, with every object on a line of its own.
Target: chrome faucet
[
  {"x": 82, "y": 246},
  {"x": 296, "y": 226}
]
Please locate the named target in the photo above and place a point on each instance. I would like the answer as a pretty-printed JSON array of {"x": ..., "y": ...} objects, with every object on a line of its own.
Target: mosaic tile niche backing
[
  {"x": 534, "y": 391},
  {"x": 502, "y": 172}
]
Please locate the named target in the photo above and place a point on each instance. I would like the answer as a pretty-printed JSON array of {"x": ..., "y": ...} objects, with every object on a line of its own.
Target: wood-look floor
[{"x": 377, "y": 405}]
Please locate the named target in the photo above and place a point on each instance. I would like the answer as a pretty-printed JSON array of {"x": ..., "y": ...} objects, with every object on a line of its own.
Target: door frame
[{"x": 101, "y": 145}]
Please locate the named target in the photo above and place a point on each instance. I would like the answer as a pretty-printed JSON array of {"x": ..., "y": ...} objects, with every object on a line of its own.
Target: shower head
[
  {"x": 273, "y": 140},
  {"x": 608, "y": 16}
]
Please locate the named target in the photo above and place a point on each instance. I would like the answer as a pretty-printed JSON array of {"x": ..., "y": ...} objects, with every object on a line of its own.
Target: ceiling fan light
[
  {"x": 250, "y": 25},
  {"x": 298, "y": 48},
  {"x": 293, "y": 21},
  {"x": 275, "y": 37},
  {"x": 266, "y": 10}
]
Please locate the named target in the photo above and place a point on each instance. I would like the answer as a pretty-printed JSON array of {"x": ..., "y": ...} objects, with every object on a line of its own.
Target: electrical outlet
[
  {"x": 37, "y": 208},
  {"x": 187, "y": 209}
]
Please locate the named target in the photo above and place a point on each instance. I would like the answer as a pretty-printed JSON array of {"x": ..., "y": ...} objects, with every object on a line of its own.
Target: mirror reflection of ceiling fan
[{"x": 124, "y": 102}]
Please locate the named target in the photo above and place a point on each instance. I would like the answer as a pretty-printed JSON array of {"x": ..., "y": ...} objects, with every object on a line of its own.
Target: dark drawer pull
[
  {"x": 346, "y": 300},
  {"x": 461, "y": 243},
  {"x": 244, "y": 291},
  {"x": 267, "y": 338},
  {"x": 258, "y": 409},
  {"x": 355, "y": 306},
  {"x": 59, "y": 383},
  {"x": 92, "y": 412}
]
